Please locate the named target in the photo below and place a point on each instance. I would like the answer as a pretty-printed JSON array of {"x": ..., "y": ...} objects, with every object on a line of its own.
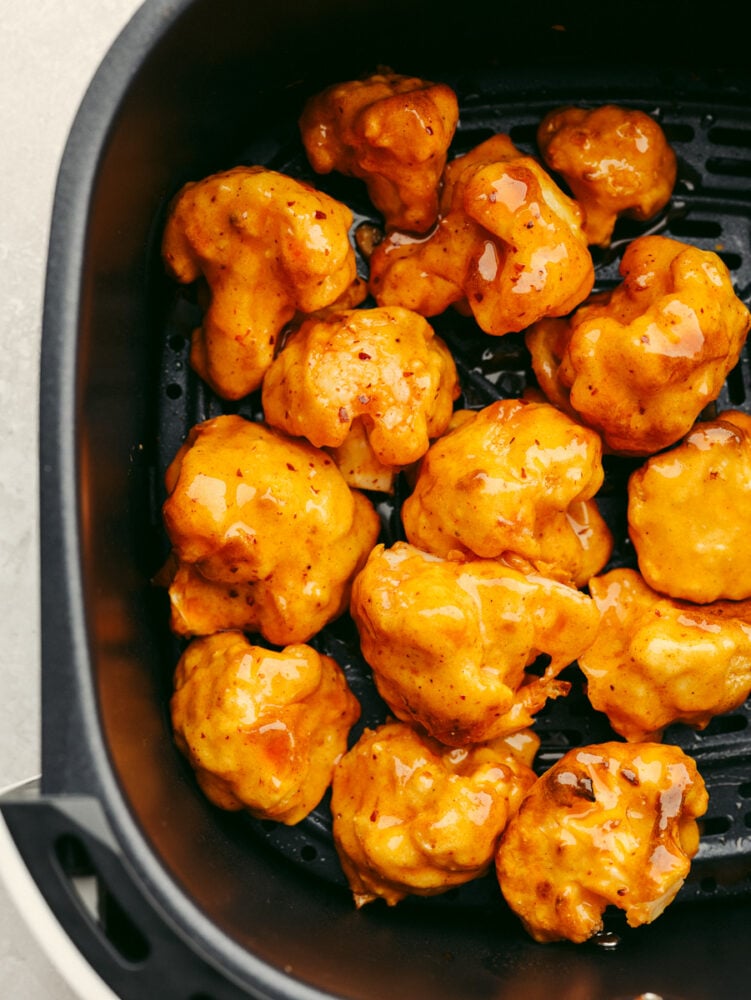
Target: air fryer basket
[{"x": 198, "y": 904}]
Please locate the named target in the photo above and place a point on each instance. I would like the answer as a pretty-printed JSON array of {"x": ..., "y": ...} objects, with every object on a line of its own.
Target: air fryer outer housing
[{"x": 194, "y": 903}]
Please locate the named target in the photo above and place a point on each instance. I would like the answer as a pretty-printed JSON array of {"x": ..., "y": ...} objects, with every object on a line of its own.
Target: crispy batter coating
[
  {"x": 359, "y": 464},
  {"x": 238, "y": 493},
  {"x": 268, "y": 247},
  {"x": 640, "y": 363},
  {"x": 689, "y": 511},
  {"x": 262, "y": 729},
  {"x": 515, "y": 480},
  {"x": 391, "y": 131},
  {"x": 616, "y": 161},
  {"x": 609, "y": 824},
  {"x": 508, "y": 246},
  {"x": 449, "y": 641},
  {"x": 382, "y": 368},
  {"x": 656, "y": 661},
  {"x": 412, "y": 816}
]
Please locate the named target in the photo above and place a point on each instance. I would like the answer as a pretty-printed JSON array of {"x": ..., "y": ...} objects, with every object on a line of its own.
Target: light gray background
[{"x": 50, "y": 51}]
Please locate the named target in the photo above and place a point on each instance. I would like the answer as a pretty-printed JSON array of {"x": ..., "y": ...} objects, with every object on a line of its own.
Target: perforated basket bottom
[{"x": 711, "y": 209}]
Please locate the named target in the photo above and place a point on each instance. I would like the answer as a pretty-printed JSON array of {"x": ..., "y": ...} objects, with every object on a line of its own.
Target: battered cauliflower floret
[
  {"x": 262, "y": 730},
  {"x": 268, "y": 246},
  {"x": 609, "y": 824},
  {"x": 689, "y": 511},
  {"x": 391, "y": 131},
  {"x": 616, "y": 161},
  {"x": 640, "y": 363},
  {"x": 449, "y": 642},
  {"x": 508, "y": 247},
  {"x": 412, "y": 816},
  {"x": 515, "y": 481},
  {"x": 382, "y": 368},
  {"x": 656, "y": 661},
  {"x": 239, "y": 492}
]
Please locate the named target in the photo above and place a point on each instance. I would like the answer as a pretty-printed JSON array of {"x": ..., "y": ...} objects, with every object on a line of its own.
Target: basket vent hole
[
  {"x": 308, "y": 852},
  {"x": 174, "y": 391},
  {"x": 678, "y": 132},
  {"x": 97, "y": 902},
  {"x": 726, "y": 724},
  {"x": 707, "y": 228},
  {"x": 732, "y": 261},
  {"x": 177, "y": 342},
  {"x": 525, "y": 134},
  {"x": 708, "y": 884},
  {"x": 715, "y": 826},
  {"x": 722, "y": 166},
  {"x": 744, "y": 790},
  {"x": 724, "y": 136}
]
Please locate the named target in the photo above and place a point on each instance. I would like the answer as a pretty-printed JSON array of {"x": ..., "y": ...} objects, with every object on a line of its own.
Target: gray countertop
[{"x": 50, "y": 53}]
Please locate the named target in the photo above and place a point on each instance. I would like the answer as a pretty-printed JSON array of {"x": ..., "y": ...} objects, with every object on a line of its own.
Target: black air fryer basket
[{"x": 194, "y": 903}]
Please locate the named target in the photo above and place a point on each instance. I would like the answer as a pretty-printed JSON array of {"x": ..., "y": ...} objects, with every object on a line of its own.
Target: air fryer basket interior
[{"x": 196, "y": 87}]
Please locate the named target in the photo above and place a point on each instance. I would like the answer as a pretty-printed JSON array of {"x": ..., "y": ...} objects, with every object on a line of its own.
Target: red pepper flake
[
  {"x": 343, "y": 415},
  {"x": 363, "y": 356},
  {"x": 320, "y": 215}
]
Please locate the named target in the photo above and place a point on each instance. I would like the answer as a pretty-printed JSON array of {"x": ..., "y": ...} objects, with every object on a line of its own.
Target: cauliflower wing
[
  {"x": 382, "y": 368},
  {"x": 689, "y": 509},
  {"x": 516, "y": 480},
  {"x": 391, "y": 131},
  {"x": 616, "y": 161},
  {"x": 608, "y": 824},
  {"x": 449, "y": 642},
  {"x": 411, "y": 816},
  {"x": 268, "y": 246},
  {"x": 261, "y": 729},
  {"x": 656, "y": 661},
  {"x": 508, "y": 246},
  {"x": 238, "y": 492},
  {"x": 640, "y": 363}
]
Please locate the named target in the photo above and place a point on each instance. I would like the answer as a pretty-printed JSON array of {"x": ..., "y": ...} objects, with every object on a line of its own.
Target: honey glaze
[
  {"x": 699, "y": 554},
  {"x": 239, "y": 491},
  {"x": 508, "y": 246},
  {"x": 610, "y": 824},
  {"x": 515, "y": 480},
  {"x": 639, "y": 363},
  {"x": 449, "y": 640},
  {"x": 262, "y": 729}
]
